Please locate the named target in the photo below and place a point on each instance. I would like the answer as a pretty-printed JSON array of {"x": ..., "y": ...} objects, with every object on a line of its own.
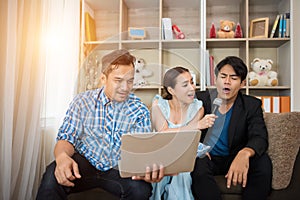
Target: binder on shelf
[
  {"x": 274, "y": 26},
  {"x": 267, "y": 103},
  {"x": 167, "y": 33},
  {"x": 285, "y": 105},
  {"x": 276, "y": 104}
]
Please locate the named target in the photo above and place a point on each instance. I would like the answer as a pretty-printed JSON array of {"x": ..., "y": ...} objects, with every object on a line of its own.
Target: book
[
  {"x": 167, "y": 32},
  {"x": 274, "y": 26},
  {"x": 90, "y": 28},
  {"x": 287, "y": 22},
  {"x": 280, "y": 33},
  {"x": 212, "y": 70},
  {"x": 284, "y": 25},
  {"x": 207, "y": 69}
]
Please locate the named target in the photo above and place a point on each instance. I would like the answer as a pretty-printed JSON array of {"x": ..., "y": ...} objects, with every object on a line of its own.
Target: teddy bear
[
  {"x": 226, "y": 29},
  {"x": 140, "y": 72},
  {"x": 262, "y": 75}
]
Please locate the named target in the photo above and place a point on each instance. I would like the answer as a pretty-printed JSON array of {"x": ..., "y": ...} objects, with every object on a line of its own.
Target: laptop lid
[{"x": 176, "y": 151}]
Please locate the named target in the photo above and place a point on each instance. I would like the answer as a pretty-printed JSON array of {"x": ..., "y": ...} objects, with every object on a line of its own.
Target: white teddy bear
[
  {"x": 140, "y": 72},
  {"x": 262, "y": 74}
]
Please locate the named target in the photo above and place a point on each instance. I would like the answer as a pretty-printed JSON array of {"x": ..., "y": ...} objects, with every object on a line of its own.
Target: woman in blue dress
[{"x": 178, "y": 109}]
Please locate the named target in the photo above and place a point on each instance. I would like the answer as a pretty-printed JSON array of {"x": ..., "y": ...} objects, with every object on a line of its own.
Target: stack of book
[{"x": 281, "y": 26}]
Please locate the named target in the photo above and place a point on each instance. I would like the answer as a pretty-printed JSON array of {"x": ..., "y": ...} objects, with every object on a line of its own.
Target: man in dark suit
[{"x": 238, "y": 138}]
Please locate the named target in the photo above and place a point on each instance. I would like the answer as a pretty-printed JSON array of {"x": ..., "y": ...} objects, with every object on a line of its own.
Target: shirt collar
[{"x": 101, "y": 97}]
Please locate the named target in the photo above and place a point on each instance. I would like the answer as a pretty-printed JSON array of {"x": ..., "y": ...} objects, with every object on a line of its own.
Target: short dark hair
[
  {"x": 237, "y": 64},
  {"x": 170, "y": 80},
  {"x": 115, "y": 58}
]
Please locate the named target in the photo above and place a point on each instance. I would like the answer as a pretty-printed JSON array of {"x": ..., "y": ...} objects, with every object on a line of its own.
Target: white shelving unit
[{"x": 194, "y": 18}]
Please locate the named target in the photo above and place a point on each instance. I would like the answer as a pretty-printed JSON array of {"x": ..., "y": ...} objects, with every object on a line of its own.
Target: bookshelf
[{"x": 194, "y": 18}]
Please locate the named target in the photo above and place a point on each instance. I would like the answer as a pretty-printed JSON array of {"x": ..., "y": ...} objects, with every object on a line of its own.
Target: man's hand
[
  {"x": 153, "y": 176},
  {"x": 238, "y": 170},
  {"x": 66, "y": 170}
]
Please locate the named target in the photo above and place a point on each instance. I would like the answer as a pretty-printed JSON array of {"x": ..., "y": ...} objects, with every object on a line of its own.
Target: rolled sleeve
[{"x": 72, "y": 125}]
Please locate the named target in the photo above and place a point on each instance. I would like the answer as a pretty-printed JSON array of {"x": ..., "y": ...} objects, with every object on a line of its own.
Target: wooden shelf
[
  {"x": 138, "y": 44},
  {"x": 176, "y": 43},
  {"x": 267, "y": 42},
  {"x": 114, "y": 17},
  {"x": 269, "y": 87},
  {"x": 225, "y": 43}
]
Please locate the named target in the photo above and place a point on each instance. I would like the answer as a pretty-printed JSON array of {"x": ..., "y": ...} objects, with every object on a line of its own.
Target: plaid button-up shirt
[{"x": 94, "y": 125}]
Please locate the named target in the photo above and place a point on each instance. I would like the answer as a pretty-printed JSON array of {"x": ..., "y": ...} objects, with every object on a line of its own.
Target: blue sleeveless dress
[{"x": 176, "y": 187}]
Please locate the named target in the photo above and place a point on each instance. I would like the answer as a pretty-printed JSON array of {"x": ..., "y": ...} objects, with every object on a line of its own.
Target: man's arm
[
  {"x": 239, "y": 167},
  {"x": 257, "y": 130},
  {"x": 66, "y": 168},
  {"x": 256, "y": 145}
]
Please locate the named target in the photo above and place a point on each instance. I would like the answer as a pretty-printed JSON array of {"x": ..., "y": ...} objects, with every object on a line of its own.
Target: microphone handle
[{"x": 215, "y": 108}]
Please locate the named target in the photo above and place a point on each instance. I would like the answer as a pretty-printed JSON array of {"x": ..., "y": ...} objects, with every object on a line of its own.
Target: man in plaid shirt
[{"x": 89, "y": 140}]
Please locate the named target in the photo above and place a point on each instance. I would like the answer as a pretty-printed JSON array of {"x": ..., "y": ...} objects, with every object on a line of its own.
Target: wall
[{"x": 296, "y": 58}]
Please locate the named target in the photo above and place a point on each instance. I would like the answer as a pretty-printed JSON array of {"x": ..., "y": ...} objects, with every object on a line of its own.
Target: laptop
[{"x": 176, "y": 151}]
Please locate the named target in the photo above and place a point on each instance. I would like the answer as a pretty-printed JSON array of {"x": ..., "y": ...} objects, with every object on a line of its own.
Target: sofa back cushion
[{"x": 284, "y": 140}]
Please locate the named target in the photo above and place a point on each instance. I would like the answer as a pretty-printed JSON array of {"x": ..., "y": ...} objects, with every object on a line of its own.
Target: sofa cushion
[{"x": 284, "y": 140}]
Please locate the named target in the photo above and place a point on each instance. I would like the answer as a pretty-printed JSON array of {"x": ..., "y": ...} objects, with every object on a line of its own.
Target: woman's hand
[{"x": 207, "y": 121}]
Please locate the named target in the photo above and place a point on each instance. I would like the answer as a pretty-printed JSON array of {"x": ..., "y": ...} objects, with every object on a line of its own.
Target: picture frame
[
  {"x": 136, "y": 33},
  {"x": 259, "y": 28}
]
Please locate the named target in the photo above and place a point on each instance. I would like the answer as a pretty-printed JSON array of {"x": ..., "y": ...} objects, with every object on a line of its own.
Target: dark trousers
[
  {"x": 259, "y": 178},
  {"x": 110, "y": 180}
]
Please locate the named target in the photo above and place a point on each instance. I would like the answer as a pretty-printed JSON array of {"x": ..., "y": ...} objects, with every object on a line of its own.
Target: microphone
[{"x": 216, "y": 104}]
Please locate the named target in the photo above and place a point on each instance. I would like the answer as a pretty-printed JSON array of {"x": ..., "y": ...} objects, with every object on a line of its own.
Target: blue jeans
[{"x": 110, "y": 180}]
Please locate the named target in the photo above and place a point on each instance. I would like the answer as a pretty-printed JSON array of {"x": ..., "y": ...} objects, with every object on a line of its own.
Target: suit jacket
[{"x": 247, "y": 126}]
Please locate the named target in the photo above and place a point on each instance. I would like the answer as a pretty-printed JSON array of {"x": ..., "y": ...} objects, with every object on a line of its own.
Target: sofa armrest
[
  {"x": 284, "y": 141},
  {"x": 292, "y": 192}
]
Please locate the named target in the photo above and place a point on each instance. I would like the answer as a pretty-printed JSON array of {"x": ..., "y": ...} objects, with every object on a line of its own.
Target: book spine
[
  {"x": 284, "y": 26},
  {"x": 274, "y": 26},
  {"x": 212, "y": 70},
  {"x": 207, "y": 69},
  {"x": 167, "y": 28},
  {"x": 280, "y": 26},
  {"x": 287, "y": 22}
]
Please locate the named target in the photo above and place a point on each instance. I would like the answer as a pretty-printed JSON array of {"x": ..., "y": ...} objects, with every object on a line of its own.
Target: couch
[{"x": 284, "y": 141}]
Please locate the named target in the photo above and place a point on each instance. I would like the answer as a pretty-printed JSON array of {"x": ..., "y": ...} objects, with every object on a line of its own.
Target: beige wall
[{"x": 295, "y": 55}]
